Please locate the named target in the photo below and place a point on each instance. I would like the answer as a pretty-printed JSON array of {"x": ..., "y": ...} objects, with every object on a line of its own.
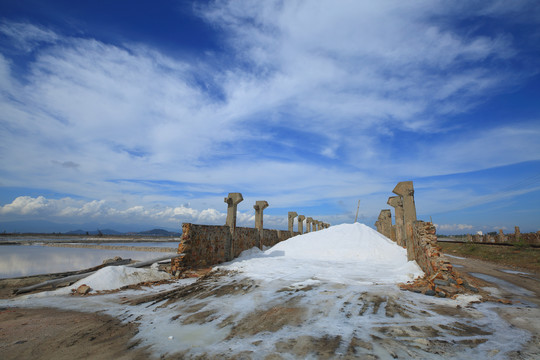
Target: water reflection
[
  {"x": 173, "y": 245},
  {"x": 18, "y": 261}
]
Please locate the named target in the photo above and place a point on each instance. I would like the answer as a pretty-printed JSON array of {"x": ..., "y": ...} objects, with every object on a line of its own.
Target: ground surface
[
  {"x": 517, "y": 256},
  {"x": 55, "y": 334},
  {"x": 228, "y": 315}
]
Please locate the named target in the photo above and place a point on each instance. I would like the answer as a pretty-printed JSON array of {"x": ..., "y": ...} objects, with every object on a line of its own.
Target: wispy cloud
[
  {"x": 307, "y": 104},
  {"x": 453, "y": 227}
]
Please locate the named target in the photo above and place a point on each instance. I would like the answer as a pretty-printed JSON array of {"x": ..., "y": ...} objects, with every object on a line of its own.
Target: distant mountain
[
  {"x": 47, "y": 227},
  {"x": 153, "y": 232},
  {"x": 95, "y": 232},
  {"x": 158, "y": 232}
]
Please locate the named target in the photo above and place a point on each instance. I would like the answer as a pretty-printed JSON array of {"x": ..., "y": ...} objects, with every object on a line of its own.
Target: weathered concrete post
[
  {"x": 232, "y": 203},
  {"x": 517, "y": 234},
  {"x": 259, "y": 207},
  {"x": 309, "y": 221},
  {"x": 292, "y": 215},
  {"x": 378, "y": 226},
  {"x": 406, "y": 190},
  {"x": 385, "y": 221},
  {"x": 301, "y": 223},
  {"x": 500, "y": 236},
  {"x": 397, "y": 204}
]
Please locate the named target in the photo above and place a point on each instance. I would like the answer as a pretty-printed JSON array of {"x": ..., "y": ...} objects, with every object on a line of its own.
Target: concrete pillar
[
  {"x": 500, "y": 238},
  {"x": 292, "y": 215},
  {"x": 517, "y": 233},
  {"x": 309, "y": 221},
  {"x": 316, "y": 224},
  {"x": 301, "y": 223},
  {"x": 385, "y": 221},
  {"x": 259, "y": 208},
  {"x": 397, "y": 204},
  {"x": 406, "y": 190},
  {"x": 378, "y": 226},
  {"x": 232, "y": 202}
]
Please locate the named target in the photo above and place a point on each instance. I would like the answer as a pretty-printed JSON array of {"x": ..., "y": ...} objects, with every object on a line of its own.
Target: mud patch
[
  {"x": 304, "y": 346},
  {"x": 270, "y": 320},
  {"x": 200, "y": 317}
]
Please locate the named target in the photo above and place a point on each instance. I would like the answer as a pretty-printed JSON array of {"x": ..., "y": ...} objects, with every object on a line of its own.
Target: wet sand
[{"x": 65, "y": 335}]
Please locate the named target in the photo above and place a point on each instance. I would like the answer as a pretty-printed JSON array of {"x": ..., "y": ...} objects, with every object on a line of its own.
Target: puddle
[
  {"x": 454, "y": 257},
  {"x": 514, "y": 272},
  {"x": 457, "y": 266},
  {"x": 505, "y": 285}
]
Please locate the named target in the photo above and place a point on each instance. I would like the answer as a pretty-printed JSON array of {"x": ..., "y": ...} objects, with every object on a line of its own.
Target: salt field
[{"x": 17, "y": 260}]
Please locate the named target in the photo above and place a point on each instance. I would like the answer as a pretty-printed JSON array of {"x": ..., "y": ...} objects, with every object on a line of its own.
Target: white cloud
[
  {"x": 112, "y": 122},
  {"x": 453, "y": 227},
  {"x": 69, "y": 209},
  {"x": 28, "y": 36}
]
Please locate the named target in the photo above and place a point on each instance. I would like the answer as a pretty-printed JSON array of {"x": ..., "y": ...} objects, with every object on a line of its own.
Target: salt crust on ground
[
  {"x": 342, "y": 277},
  {"x": 110, "y": 278}
]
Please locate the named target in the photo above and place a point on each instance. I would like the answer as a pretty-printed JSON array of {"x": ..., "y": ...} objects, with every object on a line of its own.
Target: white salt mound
[
  {"x": 342, "y": 253},
  {"x": 343, "y": 242},
  {"x": 114, "y": 277}
]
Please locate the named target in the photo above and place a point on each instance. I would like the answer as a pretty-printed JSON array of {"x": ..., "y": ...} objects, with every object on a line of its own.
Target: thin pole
[{"x": 357, "y": 208}]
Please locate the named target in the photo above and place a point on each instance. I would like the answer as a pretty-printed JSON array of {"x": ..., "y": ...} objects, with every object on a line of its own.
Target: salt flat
[{"x": 328, "y": 294}]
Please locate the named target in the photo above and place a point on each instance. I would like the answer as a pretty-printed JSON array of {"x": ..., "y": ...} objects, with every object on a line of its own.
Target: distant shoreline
[{"x": 21, "y": 239}]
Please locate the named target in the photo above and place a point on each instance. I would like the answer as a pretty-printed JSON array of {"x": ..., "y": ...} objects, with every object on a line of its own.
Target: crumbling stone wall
[
  {"x": 202, "y": 245},
  {"x": 500, "y": 238},
  {"x": 527, "y": 238},
  {"x": 207, "y": 245},
  {"x": 244, "y": 238},
  {"x": 426, "y": 251},
  {"x": 440, "y": 278}
]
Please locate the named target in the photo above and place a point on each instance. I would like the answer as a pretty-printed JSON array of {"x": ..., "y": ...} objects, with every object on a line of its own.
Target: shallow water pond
[{"x": 21, "y": 260}]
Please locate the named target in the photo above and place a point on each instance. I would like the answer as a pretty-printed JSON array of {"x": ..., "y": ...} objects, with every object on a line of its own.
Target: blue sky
[{"x": 134, "y": 114}]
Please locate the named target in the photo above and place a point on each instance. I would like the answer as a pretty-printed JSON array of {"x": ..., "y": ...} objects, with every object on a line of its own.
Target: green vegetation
[{"x": 519, "y": 255}]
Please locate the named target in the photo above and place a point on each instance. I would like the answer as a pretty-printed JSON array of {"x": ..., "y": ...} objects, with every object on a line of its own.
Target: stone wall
[
  {"x": 426, "y": 251},
  {"x": 440, "y": 278},
  {"x": 207, "y": 245},
  {"x": 500, "y": 238},
  {"x": 244, "y": 238}
]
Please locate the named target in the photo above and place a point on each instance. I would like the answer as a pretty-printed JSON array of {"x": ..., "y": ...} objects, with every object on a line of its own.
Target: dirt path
[
  {"x": 525, "y": 279},
  {"x": 55, "y": 334}
]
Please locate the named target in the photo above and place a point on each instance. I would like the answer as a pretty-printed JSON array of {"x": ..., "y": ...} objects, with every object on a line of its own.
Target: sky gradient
[{"x": 146, "y": 114}]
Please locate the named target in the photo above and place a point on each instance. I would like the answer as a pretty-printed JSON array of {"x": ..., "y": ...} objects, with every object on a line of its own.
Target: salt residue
[
  {"x": 347, "y": 253},
  {"x": 114, "y": 277}
]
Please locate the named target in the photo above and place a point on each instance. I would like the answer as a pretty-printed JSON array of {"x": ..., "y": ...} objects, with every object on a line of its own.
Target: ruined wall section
[
  {"x": 525, "y": 238},
  {"x": 203, "y": 245},
  {"x": 207, "y": 245},
  {"x": 426, "y": 251},
  {"x": 244, "y": 239},
  {"x": 440, "y": 278}
]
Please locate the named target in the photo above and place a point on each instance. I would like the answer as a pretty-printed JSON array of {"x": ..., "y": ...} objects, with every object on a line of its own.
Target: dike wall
[
  {"x": 426, "y": 251},
  {"x": 207, "y": 245},
  {"x": 500, "y": 238}
]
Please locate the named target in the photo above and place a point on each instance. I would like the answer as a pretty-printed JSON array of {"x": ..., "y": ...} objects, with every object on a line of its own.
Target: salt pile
[
  {"x": 347, "y": 253},
  {"x": 114, "y": 277}
]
